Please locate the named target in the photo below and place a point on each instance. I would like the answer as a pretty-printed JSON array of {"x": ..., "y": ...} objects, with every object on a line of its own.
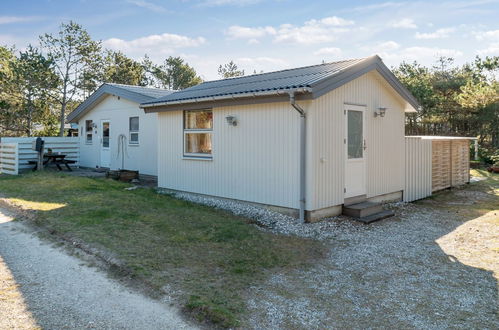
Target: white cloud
[
  {"x": 438, "y": 34},
  {"x": 242, "y": 32},
  {"x": 18, "y": 19},
  {"x": 493, "y": 49},
  {"x": 404, "y": 23},
  {"x": 313, "y": 31},
  {"x": 388, "y": 45},
  {"x": 332, "y": 51},
  {"x": 261, "y": 63},
  {"x": 154, "y": 45},
  {"x": 487, "y": 35},
  {"x": 148, "y": 5},
  {"x": 419, "y": 54}
]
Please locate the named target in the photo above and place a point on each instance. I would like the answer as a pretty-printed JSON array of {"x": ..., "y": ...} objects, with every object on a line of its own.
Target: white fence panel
[
  {"x": 9, "y": 158},
  {"x": 418, "y": 168},
  {"x": 68, "y": 146}
]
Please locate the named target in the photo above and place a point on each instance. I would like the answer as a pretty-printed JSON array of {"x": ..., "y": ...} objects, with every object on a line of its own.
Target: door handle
[{"x": 365, "y": 144}]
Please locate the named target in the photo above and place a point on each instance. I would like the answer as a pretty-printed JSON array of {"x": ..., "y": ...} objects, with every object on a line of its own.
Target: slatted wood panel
[
  {"x": 450, "y": 162},
  {"x": 441, "y": 165},
  {"x": 460, "y": 162},
  {"x": 68, "y": 146},
  {"x": 9, "y": 158},
  {"x": 418, "y": 168}
]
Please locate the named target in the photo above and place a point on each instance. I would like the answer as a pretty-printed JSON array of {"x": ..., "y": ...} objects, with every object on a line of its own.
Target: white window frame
[
  {"x": 89, "y": 132},
  {"x": 202, "y": 156},
  {"x": 130, "y": 132}
]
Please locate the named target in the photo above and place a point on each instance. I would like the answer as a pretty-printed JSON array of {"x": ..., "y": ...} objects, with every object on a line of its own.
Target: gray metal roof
[
  {"x": 136, "y": 94},
  {"x": 316, "y": 79}
]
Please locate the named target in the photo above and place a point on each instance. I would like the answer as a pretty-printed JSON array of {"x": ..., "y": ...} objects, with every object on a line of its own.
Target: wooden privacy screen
[{"x": 450, "y": 163}]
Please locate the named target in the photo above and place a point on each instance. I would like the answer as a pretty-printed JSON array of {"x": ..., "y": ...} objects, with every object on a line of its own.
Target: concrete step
[
  {"x": 361, "y": 210},
  {"x": 376, "y": 217}
]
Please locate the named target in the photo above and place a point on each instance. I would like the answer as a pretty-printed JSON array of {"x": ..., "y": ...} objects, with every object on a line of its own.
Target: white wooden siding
[
  {"x": 8, "y": 158},
  {"x": 256, "y": 161},
  {"x": 384, "y": 137},
  {"x": 418, "y": 168},
  {"x": 68, "y": 146},
  {"x": 141, "y": 157}
]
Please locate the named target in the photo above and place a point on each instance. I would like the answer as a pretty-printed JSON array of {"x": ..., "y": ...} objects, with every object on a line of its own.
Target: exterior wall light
[
  {"x": 381, "y": 112},
  {"x": 231, "y": 120}
]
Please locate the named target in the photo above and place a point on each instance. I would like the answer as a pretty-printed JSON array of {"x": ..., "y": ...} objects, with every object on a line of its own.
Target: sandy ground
[{"x": 41, "y": 286}]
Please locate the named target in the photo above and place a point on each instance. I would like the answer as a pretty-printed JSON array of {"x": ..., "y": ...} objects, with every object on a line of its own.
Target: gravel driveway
[
  {"x": 424, "y": 269},
  {"x": 42, "y": 286}
]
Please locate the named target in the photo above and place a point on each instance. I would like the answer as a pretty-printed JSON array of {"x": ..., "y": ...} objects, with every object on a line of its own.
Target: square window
[{"x": 198, "y": 131}]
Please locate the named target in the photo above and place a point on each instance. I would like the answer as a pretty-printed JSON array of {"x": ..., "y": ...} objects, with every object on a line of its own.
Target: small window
[
  {"x": 134, "y": 130},
  {"x": 88, "y": 131},
  {"x": 198, "y": 130}
]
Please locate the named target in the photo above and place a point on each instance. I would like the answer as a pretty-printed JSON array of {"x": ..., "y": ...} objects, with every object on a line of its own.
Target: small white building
[
  {"x": 308, "y": 139},
  {"x": 115, "y": 132}
]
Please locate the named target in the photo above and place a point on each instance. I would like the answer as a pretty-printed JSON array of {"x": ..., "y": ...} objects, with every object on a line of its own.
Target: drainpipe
[{"x": 303, "y": 155}]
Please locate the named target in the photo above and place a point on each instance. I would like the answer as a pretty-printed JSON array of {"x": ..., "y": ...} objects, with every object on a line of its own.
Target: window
[
  {"x": 355, "y": 136},
  {"x": 134, "y": 130},
  {"x": 198, "y": 130},
  {"x": 88, "y": 130}
]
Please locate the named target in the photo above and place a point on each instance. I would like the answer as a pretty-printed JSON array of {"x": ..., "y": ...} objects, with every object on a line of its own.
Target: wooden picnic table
[{"x": 56, "y": 159}]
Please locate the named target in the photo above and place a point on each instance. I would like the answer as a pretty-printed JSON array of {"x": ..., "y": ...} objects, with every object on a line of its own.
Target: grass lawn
[{"x": 209, "y": 256}]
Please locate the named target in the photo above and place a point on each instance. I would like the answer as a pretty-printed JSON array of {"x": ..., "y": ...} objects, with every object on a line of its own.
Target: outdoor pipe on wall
[{"x": 303, "y": 153}]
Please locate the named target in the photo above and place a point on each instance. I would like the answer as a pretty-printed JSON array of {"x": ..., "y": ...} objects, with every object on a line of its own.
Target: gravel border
[{"x": 274, "y": 221}]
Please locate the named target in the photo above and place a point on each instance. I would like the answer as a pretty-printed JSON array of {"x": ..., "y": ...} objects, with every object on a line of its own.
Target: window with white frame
[
  {"x": 134, "y": 130},
  {"x": 88, "y": 131},
  {"x": 198, "y": 130}
]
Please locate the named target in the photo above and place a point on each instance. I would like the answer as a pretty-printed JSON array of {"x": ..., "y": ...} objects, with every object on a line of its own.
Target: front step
[
  {"x": 363, "y": 209},
  {"x": 367, "y": 212},
  {"x": 376, "y": 217}
]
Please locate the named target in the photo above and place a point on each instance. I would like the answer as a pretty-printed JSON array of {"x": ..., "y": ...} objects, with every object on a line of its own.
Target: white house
[
  {"x": 115, "y": 132},
  {"x": 310, "y": 139}
]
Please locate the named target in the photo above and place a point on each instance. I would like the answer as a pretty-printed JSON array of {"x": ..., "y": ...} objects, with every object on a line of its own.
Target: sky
[{"x": 266, "y": 35}]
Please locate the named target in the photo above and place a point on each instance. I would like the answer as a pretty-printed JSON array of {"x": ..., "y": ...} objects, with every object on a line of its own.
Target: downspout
[{"x": 303, "y": 153}]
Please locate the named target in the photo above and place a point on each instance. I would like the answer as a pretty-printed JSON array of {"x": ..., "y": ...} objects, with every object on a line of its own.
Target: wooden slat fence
[
  {"x": 68, "y": 146},
  {"x": 9, "y": 157},
  {"x": 434, "y": 163}
]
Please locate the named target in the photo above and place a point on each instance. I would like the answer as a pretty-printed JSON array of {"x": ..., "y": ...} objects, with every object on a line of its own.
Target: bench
[{"x": 58, "y": 163}]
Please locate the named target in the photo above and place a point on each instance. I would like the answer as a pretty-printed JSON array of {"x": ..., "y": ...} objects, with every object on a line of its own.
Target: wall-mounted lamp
[
  {"x": 380, "y": 112},
  {"x": 231, "y": 120},
  {"x": 94, "y": 125}
]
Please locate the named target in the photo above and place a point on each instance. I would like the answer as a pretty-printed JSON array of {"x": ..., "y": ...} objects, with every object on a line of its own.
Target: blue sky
[{"x": 267, "y": 35}]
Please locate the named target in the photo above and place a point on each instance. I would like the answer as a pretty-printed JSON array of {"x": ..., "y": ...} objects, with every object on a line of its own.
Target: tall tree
[
  {"x": 230, "y": 70},
  {"x": 34, "y": 77},
  {"x": 120, "y": 69},
  {"x": 9, "y": 96},
  {"x": 176, "y": 74},
  {"x": 73, "y": 52}
]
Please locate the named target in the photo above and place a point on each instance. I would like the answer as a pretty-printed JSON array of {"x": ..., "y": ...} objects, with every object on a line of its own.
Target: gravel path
[
  {"x": 42, "y": 286},
  {"x": 423, "y": 269}
]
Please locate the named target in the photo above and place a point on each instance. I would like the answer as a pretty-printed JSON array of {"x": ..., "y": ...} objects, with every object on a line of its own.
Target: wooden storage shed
[{"x": 434, "y": 163}]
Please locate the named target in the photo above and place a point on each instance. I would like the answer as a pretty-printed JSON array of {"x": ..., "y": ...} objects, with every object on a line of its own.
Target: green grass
[{"x": 213, "y": 257}]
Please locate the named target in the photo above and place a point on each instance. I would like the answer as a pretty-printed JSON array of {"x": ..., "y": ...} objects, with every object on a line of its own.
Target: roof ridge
[{"x": 290, "y": 69}]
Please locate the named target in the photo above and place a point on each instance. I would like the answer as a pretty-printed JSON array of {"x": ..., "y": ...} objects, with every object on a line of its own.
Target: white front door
[
  {"x": 105, "y": 152},
  {"x": 355, "y": 150}
]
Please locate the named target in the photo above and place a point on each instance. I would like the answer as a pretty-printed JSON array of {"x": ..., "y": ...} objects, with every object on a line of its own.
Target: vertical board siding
[
  {"x": 9, "y": 162},
  {"x": 418, "y": 169},
  {"x": 140, "y": 157},
  {"x": 385, "y": 151},
  {"x": 256, "y": 161},
  {"x": 68, "y": 146}
]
